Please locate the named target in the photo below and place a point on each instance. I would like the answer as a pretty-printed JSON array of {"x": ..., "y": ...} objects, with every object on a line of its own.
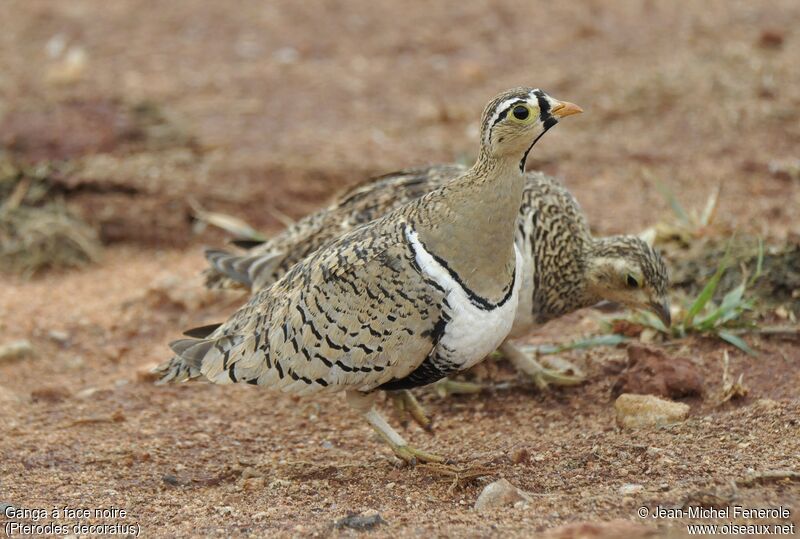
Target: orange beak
[{"x": 565, "y": 108}]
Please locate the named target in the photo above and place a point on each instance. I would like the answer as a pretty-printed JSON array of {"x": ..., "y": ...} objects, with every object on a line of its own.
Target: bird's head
[
  {"x": 626, "y": 270},
  {"x": 515, "y": 119}
]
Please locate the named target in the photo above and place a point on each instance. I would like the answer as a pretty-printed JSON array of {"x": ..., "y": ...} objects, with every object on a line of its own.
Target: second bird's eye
[
  {"x": 520, "y": 112},
  {"x": 632, "y": 282}
]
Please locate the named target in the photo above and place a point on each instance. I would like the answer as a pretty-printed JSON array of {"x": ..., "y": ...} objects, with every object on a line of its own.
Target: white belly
[
  {"x": 472, "y": 332},
  {"x": 523, "y": 320}
]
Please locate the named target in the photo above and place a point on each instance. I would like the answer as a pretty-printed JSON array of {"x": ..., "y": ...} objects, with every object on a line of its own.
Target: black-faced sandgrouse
[
  {"x": 565, "y": 267},
  {"x": 427, "y": 290}
]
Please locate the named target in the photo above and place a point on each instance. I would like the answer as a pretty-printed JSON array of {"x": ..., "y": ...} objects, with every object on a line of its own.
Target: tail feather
[
  {"x": 262, "y": 270},
  {"x": 186, "y": 363},
  {"x": 196, "y": 358},
  {"x": 175, "y": 370},
  {"x": 192, "y": 351},
  {"x": 253, "y": 271},
  {"x": 247, "y": 244},
  {"x": 242, "y": 264},
  {"x": 225, "y": 263},
  {"x": 215, "y": 280},
  {"x": 201, "y": 332}
]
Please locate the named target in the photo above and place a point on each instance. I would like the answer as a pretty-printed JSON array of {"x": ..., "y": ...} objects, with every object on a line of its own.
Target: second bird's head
[
  {"x": 626, "y": 270},
  {"x": 515, "y": 119}
]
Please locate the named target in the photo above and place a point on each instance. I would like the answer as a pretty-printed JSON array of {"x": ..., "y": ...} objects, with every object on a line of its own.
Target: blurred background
[{"x": 266, "y": 108}]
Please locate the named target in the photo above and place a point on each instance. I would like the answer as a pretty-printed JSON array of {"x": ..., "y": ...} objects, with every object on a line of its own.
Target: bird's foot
[
  {"x": 407, "y": 405},
  {"x": 544, "y": 377},
  {"x": 446, "y": 387},
  {"x": 412, "y": 456},
  {"x": 564, "y": 373},
  {"x": 400, "y": 447}
]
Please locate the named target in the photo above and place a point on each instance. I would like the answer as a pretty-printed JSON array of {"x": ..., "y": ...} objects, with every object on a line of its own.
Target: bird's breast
[{"x": 475, "y": 327}]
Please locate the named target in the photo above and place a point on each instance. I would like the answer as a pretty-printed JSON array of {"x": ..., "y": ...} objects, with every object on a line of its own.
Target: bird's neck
[
  {"x": 562, "y": 279},
  {"x": 595, "y": 250},
  {"x": 472, "y": 225}
]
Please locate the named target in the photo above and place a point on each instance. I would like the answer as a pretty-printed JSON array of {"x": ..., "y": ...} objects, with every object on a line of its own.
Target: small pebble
[
  {"x": 364, "y": 521},
  {"x": 498, "y": 494},
  {"x": 13, "y": 350},
  {"x": 171, "y": 480},
  {"x": 630, "y": 488},
  {"x": 61, "y": 337},
  {"x": 86, "y": 393},
  {"x": 286, "y": 55},
  {"x": 254, "y": 484},
  {"x": 520, "y": 456},
  {"x": 250, "y": 472},
  {"x": 224, "y": 510}
]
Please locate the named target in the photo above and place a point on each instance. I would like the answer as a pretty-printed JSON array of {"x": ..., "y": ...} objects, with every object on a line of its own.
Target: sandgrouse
[
  {"x": 565, "y": 268},
  {"x": 425, "y": 291}
]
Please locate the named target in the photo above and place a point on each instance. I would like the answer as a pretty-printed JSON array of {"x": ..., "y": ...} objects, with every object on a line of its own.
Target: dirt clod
[
  {"x": 650, "y": 371},
  {"x": 771, "y": 38},
  {"x": 50, "y": 394},
  {"x": 520, "y": 456}
]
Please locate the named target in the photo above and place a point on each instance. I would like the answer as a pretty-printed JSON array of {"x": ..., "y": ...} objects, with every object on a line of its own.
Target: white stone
[
  {"x": 635, "y": 411},
  {"x": 501, "y": 493},
  {"x": 20, "y": 349}
]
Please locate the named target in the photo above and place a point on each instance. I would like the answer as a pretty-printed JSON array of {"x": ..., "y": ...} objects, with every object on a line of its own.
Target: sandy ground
[{"x": 278, "y": 105}]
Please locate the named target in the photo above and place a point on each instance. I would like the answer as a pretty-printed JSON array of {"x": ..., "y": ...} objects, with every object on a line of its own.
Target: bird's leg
[
  {"x": 405, "y": 403},
  {"x": 364, "y": 404},
  {"x": 541, "y": 376},
  {"x": 446, "y": 387}
]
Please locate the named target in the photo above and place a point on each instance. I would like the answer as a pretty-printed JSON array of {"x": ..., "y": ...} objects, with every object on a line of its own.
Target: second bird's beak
[
  {"x": 662, "y": 311},
  {"x": 564, "y": 108}
]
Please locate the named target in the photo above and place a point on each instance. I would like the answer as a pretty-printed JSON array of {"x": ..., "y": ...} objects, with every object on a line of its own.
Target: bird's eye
[
  {"x": 632, "y": 282},
  {"x": 521, "y": 112}
]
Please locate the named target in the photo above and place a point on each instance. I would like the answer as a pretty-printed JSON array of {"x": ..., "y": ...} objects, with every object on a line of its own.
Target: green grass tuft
[{"x": 702, "y": 316}]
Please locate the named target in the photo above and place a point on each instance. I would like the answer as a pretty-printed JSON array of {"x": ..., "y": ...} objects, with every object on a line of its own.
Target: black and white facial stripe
[{"x": 545, "y": 117}]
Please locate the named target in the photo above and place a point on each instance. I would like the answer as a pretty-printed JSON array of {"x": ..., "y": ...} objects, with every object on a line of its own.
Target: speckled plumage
[
  {"x": 552, "y": 234},
  {"x": 426, "y": 290},
  {"x": 264, "y": 264},
  {"x": 360, "y": 312}
]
